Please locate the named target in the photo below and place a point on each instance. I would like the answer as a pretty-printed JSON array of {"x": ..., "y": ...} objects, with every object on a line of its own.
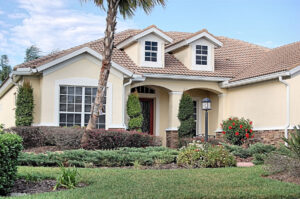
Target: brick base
[
  {"x": 271, "y": 137},
  {"x": 172, "y": 139}
]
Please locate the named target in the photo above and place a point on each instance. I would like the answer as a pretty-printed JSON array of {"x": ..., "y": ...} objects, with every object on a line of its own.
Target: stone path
[{"x": 244, "y": 164}]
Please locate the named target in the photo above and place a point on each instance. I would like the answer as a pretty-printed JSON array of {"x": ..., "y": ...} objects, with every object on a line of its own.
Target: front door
[{"x": 147, "y": 110}]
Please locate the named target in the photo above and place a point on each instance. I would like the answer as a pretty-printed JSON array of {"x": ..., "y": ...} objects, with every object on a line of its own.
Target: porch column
[
  {"x": 222, "y": 109},
  {"x": 173, "y": 124}
]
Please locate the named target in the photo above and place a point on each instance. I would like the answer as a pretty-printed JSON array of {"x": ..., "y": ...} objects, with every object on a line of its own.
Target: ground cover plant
[
  {"x": 222, "y": 183},
  {"x": 99, "y": 158},
  {"x": 10, "y": 147}
]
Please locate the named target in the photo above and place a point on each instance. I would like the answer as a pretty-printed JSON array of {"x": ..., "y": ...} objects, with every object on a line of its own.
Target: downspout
[
  {"x": 287, "y": 107},
  {"x": 124, "y": 98}
]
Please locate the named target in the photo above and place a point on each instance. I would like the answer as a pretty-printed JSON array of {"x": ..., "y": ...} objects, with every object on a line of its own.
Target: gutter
[{"x": 287, "y": 107}]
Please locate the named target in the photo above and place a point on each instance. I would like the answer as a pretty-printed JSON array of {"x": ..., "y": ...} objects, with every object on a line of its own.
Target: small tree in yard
[
  {"x": 24, "y": 106},
  {"x": 185, "y": 115},
  {"x": 134, "y": 111}
]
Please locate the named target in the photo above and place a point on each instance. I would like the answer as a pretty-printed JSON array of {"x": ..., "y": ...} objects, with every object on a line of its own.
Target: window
[
  {"x": 143, "y": 89},
  {"x": 75, "y": 104},
  {"x": 151, "y": 51},
  {"x": 201, "y": 55}
]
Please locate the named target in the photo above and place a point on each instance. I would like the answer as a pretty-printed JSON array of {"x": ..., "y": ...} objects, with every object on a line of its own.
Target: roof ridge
[{"x": 286, "y": 45}]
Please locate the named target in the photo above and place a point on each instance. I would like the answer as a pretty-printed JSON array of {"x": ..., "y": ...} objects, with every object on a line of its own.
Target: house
[{"x": 240, "y": 78}]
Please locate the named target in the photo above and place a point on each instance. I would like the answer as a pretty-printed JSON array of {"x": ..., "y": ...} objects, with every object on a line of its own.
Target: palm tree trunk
[{"x": 106, "y": 64}]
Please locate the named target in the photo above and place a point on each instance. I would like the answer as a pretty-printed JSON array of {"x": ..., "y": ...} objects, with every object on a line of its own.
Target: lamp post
[{"x": 206, "y": 106}]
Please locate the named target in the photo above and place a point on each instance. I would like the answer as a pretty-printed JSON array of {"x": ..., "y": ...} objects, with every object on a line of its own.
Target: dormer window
[
  {"x": 201, "y": 55},
  {"x": 151, "y": 51}
]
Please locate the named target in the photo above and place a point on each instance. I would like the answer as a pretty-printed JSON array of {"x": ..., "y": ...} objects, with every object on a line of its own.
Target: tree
[
  {"x": 5, "y": 68},
  {"x": 134, "y": 112},
  {"x": 185, "y": 116},
  {"x": 24, "y": 105},
  {"x": 32, "y": 53},
  {"x": 126, "y": 8}
]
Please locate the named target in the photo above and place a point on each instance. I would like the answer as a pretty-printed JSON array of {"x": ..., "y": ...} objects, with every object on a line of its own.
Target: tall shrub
[
  {"x": 237, "y": 131},
  {"x": 10, "y": 147},
  {"x": 134, "y": 112},
  {"x": 25, "y": 105},
  {"x": 185, "y": 116}
]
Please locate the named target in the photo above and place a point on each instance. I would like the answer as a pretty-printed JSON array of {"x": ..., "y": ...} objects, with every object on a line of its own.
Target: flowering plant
[{"x": 237, "y": 131}]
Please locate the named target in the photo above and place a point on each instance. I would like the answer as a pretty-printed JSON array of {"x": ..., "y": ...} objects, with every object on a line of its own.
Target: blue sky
[{"x": 60, "y": 24}]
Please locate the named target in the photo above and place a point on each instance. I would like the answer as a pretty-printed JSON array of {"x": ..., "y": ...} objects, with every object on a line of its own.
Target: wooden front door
[{"x": 147, "y": 110}]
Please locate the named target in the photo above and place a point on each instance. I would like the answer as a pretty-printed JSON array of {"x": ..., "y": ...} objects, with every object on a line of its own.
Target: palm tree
[{"x": 126, "y": 8}]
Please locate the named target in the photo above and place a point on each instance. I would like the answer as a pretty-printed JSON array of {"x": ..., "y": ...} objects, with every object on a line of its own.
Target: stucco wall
[
  {"x": 264, "y": 103},
  {"x": 87, "y": 69},
  {"x": 294, "y": 100},
  {"x": 7, "y": 108}
]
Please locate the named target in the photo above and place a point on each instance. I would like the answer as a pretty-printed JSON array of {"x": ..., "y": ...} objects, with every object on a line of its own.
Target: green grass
[{"x": 182, "y": 183}]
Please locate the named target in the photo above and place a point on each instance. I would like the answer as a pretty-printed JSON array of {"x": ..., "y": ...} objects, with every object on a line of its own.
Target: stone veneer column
[{"x": 173, "y": 124}]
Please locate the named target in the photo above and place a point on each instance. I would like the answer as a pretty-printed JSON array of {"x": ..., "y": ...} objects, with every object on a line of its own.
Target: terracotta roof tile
[{"x": 236, "y": 59}]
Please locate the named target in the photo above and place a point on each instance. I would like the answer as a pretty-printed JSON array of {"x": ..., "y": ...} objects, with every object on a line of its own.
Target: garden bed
[{"x": 284, "y": 177}]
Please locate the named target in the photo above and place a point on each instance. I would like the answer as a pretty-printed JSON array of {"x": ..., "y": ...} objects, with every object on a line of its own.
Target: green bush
[
  {"x": 294, "y": 142},
  {"x": 259, "y": 158},
  {"x": 237, "y": 131},
  {"x": 24, "y": 105},
  {"x": 2, "y": 128},
  {"x": 10, "y": 147},
  {"x": 67, "y": 179},
  {"x": 185, "y": 116},
  {"x": 99, "y": 158},
  {"x": 208, "y": 156},
  {"x": 261, "y": 148},
  {"x": 134, "y": 112}
]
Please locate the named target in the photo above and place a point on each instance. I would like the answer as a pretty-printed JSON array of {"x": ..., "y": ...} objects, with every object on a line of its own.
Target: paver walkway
[{"x": 244, "y": 164}]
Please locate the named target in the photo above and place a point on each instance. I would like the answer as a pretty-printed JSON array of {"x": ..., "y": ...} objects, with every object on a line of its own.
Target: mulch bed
[
  {"x": 284, "y": 177},
  {"x": 249, "y": 159},
  {"x": 42, "y": 149},
  {"x": 24, "y": 187}
]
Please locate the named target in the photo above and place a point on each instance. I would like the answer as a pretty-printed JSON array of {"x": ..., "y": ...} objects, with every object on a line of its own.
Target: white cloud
[
  {"x": 17, "y": 16},
  {"x": 51, "y": 25}
]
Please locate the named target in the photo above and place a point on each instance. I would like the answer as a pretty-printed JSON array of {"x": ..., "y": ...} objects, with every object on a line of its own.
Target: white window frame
[
  {"x": 83, "y": 82},
  {"x": 160, "y": 52},
  {"x": 210, "y": 52}
]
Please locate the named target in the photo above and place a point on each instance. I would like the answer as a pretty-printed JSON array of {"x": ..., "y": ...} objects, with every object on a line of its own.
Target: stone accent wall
[
  {"x": 271, "y": 137},
  {"x": 172, "y": 139}
]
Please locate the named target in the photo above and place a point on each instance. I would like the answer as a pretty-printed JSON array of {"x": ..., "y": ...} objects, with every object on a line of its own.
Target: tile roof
[{"x": 235, "y": 59}]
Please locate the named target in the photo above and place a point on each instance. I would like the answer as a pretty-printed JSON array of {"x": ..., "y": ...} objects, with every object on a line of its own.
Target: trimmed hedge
[
  {"x": 109, "y": 158},
  {"x": 10, "y": 147},
  {"x": 102, "y": 139}
]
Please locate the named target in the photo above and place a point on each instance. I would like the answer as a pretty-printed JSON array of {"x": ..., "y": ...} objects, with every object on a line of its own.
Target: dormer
[
  {"x": 147, "y": 48},
  {"x": 197, "y": 51}
]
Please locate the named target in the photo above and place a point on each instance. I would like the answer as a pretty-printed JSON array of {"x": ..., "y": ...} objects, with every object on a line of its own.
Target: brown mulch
[
  {"x": 42, "y": 149},
  {"x": 31, "y": 187},
  {"x": 284, "y": 177},
  {"x": 249, "y": 159}
]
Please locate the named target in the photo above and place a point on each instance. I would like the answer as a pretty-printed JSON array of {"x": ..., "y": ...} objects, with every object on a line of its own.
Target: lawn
[{"x": 182, "y": 183}]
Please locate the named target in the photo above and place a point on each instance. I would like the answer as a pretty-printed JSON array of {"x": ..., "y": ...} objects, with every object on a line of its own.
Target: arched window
[{"x": 143, "y": 89}]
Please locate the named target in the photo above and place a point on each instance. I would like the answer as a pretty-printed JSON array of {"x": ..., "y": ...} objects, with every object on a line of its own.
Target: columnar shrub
[
  {"x": 24, "y": 105},
  {"x": 237, "y": 131},
  {"x": 134, "y": 112},
  {"x": 10, "y": 147},
  {"x": 185, "y": 116}
]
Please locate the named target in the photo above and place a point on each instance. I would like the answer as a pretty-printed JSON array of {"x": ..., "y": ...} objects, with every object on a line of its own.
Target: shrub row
[
  {"x": 10, "y": 147},
  {"x": 205, "y": 156},
  {"x": 98, "y": 158},
  {"x": 101, "y": 139},
  {"x": 69, "y": 138}
]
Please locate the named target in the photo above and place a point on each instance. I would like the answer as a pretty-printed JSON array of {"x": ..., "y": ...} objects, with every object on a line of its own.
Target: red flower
[
  {"x": 251, "y": 122},
  {"x": 233, "y": 123},
  {"x": 241, "y": 126},
  {"x": 252, "y": 136},
  {"x": 247, "y": 135},
  {"x": 250, "y": 130},
  {"x": 246, "y": 130},
  {"x": 230, "y": 127},
  {"x": 230, "y": 119},
  {"x": 236, "y": 133},
  {"x": 224, "y": 132}
]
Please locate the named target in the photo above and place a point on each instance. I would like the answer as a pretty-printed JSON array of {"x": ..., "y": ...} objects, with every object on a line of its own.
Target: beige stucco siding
[
  {"x": 7, "y": 108},
  {"x": 80, "y": 72},
  {"x": 294, "y": 83},
  {"x": 264, "y": 103}
]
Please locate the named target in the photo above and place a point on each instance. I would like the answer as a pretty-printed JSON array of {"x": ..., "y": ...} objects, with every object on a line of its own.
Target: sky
[{"x": 61, "y": 24}]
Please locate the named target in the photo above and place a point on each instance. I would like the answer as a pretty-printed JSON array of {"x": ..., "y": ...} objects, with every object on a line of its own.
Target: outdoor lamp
[{"x": 206, "y": 105}]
